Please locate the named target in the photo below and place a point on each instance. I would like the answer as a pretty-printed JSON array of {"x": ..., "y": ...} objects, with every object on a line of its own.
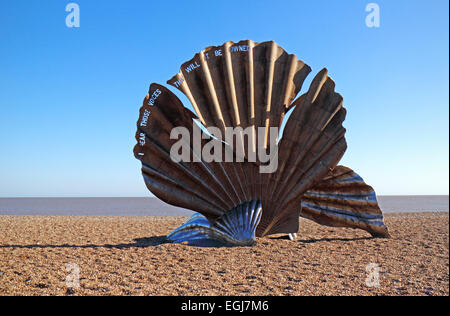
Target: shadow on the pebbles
[
  {"x": 310, "y": 241},
  {"x": 138, "y": 243},
  {"x": 151, "y": 241},
  {"x": 159, "y": 240},
  {"x": 285, "y": 237}
]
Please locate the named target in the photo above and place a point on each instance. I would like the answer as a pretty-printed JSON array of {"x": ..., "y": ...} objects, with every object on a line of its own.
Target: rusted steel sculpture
[{"x": 252, "y": 85}]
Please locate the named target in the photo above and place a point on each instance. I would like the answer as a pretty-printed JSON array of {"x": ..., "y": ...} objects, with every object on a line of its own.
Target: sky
[{"x": 70, "y": 97}]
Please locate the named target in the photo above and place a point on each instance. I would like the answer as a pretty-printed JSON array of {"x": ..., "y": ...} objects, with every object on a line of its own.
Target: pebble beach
[{"x": 84, "y": 255}]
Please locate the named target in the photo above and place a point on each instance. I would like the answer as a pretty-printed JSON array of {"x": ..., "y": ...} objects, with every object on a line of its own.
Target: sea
[{"x": 149, "y": 206}]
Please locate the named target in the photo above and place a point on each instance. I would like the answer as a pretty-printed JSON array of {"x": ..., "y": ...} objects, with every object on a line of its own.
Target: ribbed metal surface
[
  {"x": 343, "y": 199},
  {"x": 253, "y": 84},
  {"x": 236, "y": 227},
  {"x": 249, "y": 84}
]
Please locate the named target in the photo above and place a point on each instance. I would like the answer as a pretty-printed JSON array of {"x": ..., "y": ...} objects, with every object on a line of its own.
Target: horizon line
[{"x": 154, "y": 197}]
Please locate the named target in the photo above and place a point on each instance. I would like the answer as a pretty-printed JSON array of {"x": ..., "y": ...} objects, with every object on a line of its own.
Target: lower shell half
[{"x": 237, "y": 227}]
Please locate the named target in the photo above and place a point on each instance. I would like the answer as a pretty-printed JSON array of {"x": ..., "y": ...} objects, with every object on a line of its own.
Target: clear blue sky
[{"x": 69, "y": 98}]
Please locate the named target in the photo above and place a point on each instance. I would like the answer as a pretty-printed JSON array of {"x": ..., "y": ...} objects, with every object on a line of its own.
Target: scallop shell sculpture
[{"x": 249, "y": 87}]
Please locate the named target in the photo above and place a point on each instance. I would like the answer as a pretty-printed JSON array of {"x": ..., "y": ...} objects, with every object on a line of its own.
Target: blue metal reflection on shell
[
  {"x": 236, "y": 227},
  {"x": 347, "y": 201}
]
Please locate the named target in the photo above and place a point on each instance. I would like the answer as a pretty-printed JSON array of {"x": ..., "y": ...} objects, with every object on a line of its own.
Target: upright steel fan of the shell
[{"x": 230, "y": 163}]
